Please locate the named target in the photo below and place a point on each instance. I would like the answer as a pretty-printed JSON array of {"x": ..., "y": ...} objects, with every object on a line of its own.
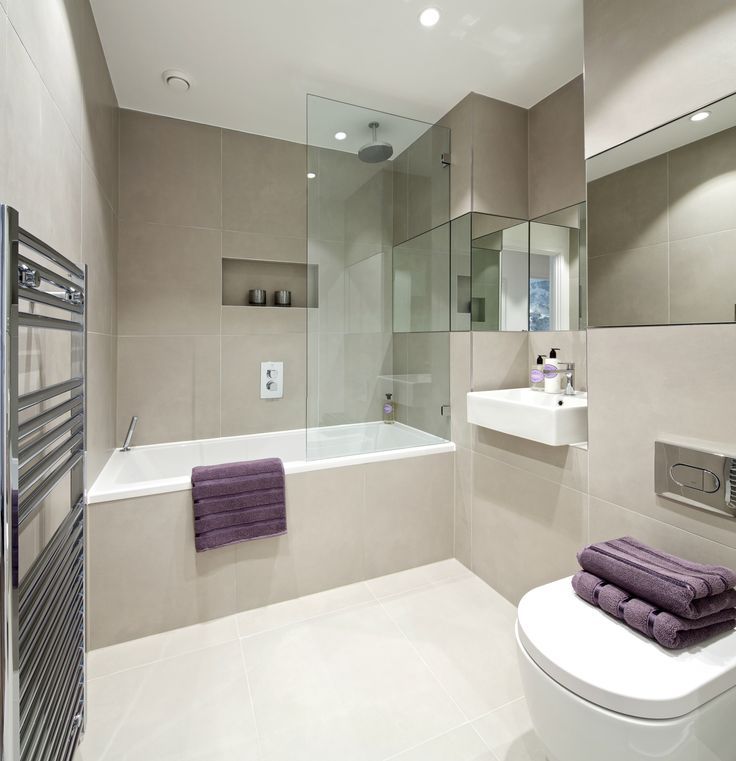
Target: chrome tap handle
[{"x": 129, "y": 435}]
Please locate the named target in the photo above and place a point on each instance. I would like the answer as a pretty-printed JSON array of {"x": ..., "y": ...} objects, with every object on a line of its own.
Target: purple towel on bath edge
[
  {"x": 683, "y": 587},
  {"x": 668, "y": 630},
  {"x": 237, "y": 502}
]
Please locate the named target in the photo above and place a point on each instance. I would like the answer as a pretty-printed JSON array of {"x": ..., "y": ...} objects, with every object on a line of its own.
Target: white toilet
[{"x": 598, "y": 691}]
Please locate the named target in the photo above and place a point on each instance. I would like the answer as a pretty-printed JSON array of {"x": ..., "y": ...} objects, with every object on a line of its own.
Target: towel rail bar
[
  {"x": 48, "y": 392},
  {"x": 30, "y": 240},
  {"x": 34, "y": 423},
  {"x": 45, "y": 669},
  {"x": 29, "y": 451},
  {"x": 40, "y": 566},
  {"x": 42, "y": 613},
  {"x": 28, "y": 506},
  {"x": 49, "y": 275},
  {"x": 29, "y": 320},
  {"x": 30, "y": 475},
  {"x": 42, "y": 297}
]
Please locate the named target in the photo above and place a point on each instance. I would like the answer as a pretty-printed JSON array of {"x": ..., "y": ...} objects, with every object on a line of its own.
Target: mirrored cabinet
[{"x": 484, "y": 272}]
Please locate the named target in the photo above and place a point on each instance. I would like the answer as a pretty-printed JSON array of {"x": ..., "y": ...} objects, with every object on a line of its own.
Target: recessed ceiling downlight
[
  {"x": 311, "y": 175},
  {"x": 700, "y": 116},
  {"x": 176, "y": 80},
  {"x": 340, "y": 135},
  {"x": 429, "y": 17}
]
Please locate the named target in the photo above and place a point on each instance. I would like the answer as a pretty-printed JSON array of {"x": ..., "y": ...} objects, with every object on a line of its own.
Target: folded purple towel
[
  {"x": 238, "y": 502},
  {"x": 668, "y": 630},
  {"x": 674, "y": 584},
  {"x": 238, "y": 517},
  {"x": 237, "y": 469},
  {"x": 222, "y": 537},
  {"x": 224, "y": 486}
]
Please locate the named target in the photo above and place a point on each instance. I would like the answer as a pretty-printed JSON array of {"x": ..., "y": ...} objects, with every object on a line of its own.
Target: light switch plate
[{"x": 272, "y": 380}]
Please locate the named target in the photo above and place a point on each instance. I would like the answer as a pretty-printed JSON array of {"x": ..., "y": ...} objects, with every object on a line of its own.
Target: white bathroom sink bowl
[{"x": 553, "y": 419}]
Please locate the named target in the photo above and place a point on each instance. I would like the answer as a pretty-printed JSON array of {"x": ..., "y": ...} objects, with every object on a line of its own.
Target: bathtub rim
[{"x": 183, "y": 483}]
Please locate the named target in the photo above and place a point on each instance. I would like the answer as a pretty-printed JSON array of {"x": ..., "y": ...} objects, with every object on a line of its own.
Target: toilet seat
[{"x": 603, "y": 661}]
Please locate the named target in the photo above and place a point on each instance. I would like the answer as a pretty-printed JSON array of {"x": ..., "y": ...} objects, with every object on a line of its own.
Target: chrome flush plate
[{"x": 696, "y": 477}]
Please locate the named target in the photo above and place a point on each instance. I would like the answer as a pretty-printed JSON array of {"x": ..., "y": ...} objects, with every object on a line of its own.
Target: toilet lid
[{"x": 606, "y": 663}]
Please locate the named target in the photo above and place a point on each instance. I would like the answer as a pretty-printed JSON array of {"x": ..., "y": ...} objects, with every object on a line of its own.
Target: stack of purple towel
[
  {"x": 677, "y": 602},
  {"x": 237, "y": 502}
]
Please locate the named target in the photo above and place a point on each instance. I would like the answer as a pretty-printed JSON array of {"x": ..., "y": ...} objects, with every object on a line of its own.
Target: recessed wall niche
[{"x": 241, "y": 275}]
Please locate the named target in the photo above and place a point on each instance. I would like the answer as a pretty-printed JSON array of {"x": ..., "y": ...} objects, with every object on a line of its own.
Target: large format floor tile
[
  {"x": 464, "y": 631},
  {"x": 346, "y": 685},
  {"x": 195, "y": 706},
  {"x": 414, "y": 666}
]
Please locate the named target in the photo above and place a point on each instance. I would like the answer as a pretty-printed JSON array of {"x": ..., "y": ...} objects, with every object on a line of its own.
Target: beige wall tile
[
  {"x": 280, "y": 248},
  {"x": 429, "y": 354},
  {"x": 557, "y": 150},
  {"x": 628, "y": 209},
  {"x": 99, "y": 252},
  {"x": 500, "y": 158},
  {"x": 61, "y": 194},
  {"x": 669, "y": 391},
  {"x": 172, "y": 383},
  {"x": 500, "y": 360},
  {"x": 144, "y": 573},
  {"x": 50, "y": 33},
  {"x": 629, "y": 287},
  {"x": 239, "y": 321},
  {"x": 608, "y": 521},
  {"x": 170, "y": 171},
  {"x": 169, "y": 279},
  {"x": 323, "y": 546},
  {"x": 562, "y": 465},
  {"x": 703, "y": 278},
  {"x": 263, "y": 185},
  {"x": 463, "y": 526},
  {"x": 20, "y": 121},
  {"x": 460, "y": 122},
  {"x": 526, "y": 530},
  {"x": 243, "y": 411},
  {"x": 648, "y": 63},
  {"x": 461, "y": 373},
  {"x": 400, "y": 196},
  {"x": 408, "y": 513},
  {"x": 100, "y": 117},
  {"x": 702, "y": 186},
  {"x": 101, "y": 370}
]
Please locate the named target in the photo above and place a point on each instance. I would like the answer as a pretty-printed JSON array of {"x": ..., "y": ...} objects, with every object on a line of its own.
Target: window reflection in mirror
[
  {"x": 557, "y": 270},
  {"x": 662, "y": 224}
]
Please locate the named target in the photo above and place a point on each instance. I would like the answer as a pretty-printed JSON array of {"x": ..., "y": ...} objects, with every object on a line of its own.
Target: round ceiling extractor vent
[{"x": 176, "y": 80}]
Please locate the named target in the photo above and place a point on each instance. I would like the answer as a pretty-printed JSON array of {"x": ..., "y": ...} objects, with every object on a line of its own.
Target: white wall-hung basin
[{"x": 553, "y": 419}]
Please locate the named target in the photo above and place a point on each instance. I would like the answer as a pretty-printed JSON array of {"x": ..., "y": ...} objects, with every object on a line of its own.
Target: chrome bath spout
[{"x": 129, "y": 435}]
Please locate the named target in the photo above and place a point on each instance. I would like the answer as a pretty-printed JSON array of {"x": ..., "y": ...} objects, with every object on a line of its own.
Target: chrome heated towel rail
[{"x": 42, "y": 301}]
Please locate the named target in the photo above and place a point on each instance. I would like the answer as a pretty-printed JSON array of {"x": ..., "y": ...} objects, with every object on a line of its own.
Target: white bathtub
[{"x": 161, "y": 468}]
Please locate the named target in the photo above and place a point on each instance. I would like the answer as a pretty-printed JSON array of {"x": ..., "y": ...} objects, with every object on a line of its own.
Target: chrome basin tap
[{"x": 568, "y": 369}]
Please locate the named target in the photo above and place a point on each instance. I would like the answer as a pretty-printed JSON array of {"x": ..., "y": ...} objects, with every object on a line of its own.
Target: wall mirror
[
  {"x": 557, "y": 271},
  {"x": 662, "y": 224}
]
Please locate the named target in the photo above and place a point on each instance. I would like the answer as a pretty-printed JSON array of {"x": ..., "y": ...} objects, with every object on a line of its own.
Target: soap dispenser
[
  {"x": 389, "y": 410},
  {"x": 552, "y": 373},
  {"x": 537, "y": 374}
]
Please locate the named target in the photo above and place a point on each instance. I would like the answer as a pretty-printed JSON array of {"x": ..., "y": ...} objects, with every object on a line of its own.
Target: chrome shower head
[{"x": 375, "y": 152}]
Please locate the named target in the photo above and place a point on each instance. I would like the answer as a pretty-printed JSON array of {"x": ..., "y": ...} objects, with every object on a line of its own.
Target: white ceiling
[{"x": 252, "y": 62}]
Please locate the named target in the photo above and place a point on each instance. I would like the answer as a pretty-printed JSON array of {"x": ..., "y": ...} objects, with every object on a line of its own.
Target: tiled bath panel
[
  {"x": 345, "y": 525},
  {"x": 415, "y": 666}
]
